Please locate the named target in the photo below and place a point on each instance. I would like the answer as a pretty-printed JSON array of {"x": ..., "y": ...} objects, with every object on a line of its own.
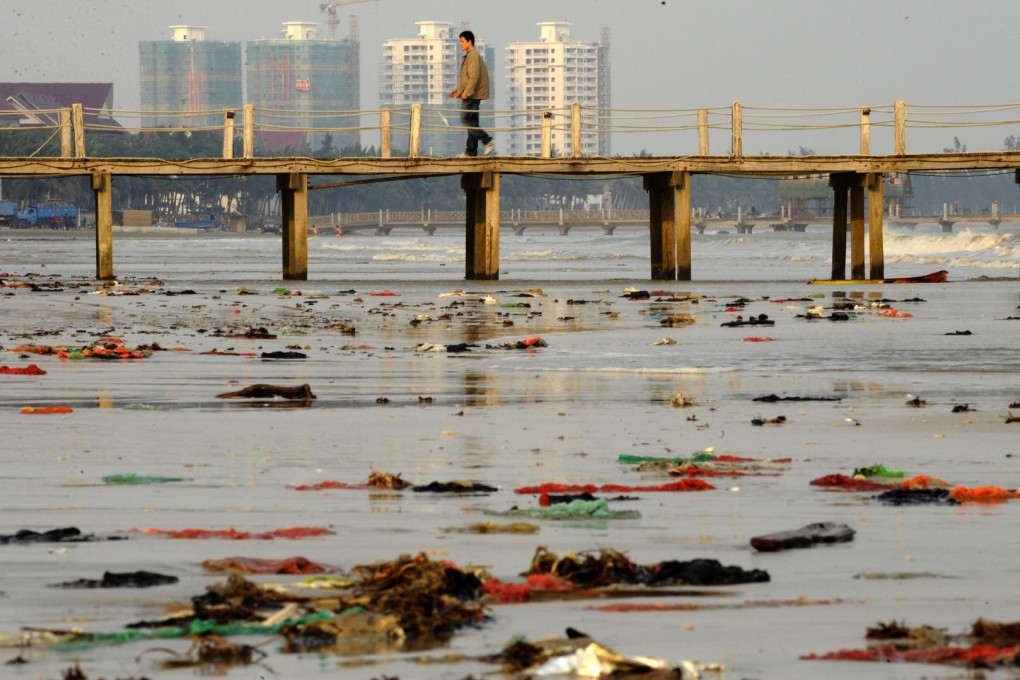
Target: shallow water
[{"x": 510, "y": 418}]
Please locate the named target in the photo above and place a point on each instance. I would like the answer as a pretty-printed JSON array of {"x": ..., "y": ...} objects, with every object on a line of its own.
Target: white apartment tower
[
  {"x": 423, "y": 70},
  {"x": 551, "y": 74}
]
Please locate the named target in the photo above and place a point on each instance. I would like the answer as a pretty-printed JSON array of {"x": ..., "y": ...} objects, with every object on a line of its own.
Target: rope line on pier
[{"x": 526, "y": 125}]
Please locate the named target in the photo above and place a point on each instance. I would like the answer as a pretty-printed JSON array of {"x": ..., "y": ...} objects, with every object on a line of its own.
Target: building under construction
[
  {"x": 302, "y": 81},
  {"x": 186, "y": 78},
  {"x": 811, "y": 197}
]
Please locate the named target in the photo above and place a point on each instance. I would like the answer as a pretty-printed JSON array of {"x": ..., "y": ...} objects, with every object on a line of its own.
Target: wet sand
[{"x": 509, "y": 418}]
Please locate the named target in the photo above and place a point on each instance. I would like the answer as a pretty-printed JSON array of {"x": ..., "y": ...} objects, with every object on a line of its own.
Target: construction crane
[{"x": 330, "y": 9}]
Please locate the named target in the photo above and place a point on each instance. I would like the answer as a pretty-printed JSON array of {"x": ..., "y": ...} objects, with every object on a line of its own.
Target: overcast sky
[{"x": 671, "y": 54}]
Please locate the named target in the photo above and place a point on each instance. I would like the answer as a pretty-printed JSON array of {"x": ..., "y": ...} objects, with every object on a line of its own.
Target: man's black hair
[{"x": 468, "y": 35}]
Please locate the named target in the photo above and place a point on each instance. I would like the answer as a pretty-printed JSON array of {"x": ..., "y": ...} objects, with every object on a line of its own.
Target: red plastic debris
[
  {"x": 220, "y": 352},
  {"x": 508, "y": 593},
  {"x": 979, "y": 655},
  {"x": 758, "y": 338},
  {"x": 730, "y": 458},
  {"x": 838, "y": 481},
  {"x": 552, "y": 487},
  {"x": 328, "y": 484},
  {"x": 693, "y": 470},
  {"x": 31, "y": 369}
]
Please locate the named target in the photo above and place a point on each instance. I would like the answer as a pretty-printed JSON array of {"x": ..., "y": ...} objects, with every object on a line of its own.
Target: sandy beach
[{"x": 660, "y": 376}]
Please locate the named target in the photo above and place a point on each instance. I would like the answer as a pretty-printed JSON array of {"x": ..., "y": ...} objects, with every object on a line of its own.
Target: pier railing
[{"x": 394, "y": 132}]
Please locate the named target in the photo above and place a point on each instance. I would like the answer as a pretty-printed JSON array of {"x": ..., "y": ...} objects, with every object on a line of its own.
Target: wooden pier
[{"x": 856, "y": 183}]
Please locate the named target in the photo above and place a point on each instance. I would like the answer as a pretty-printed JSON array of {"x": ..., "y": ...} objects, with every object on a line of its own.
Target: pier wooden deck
[{"x": 856, "y": 182}]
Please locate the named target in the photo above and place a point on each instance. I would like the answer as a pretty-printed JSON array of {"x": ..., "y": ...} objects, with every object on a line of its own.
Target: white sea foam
[
  {"x": 541, "y": 255},
  {"x": 677, "y": 370},
  {"x": 964, "y": 249}
]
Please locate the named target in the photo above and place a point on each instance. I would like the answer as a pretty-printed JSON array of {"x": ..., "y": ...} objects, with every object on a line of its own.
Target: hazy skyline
[{"x": 671, "y": 54}]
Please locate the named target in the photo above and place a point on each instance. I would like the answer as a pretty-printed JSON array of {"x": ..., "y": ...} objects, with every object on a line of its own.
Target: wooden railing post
[
  {"x": 737, "y": 131},
  {"x": 249, "y": 132},
  {"x": 79, "y": 130},
  {"x": 385, "y": 134},
  {"x": 865, "y": 130},
  {"x": 547, "y": 119},
  {"x": 228, "y": 134},
  {"x": 575, "y": 130},
  {"x": 65, "y": 133},
  {"x": 702, "y": 132},
  {"x": 900, "y": 127},
  {"x": 415, "y": 142}
]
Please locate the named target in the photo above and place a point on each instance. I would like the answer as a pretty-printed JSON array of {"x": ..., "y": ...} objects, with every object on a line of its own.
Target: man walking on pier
[{"x": 472, "y": 88}]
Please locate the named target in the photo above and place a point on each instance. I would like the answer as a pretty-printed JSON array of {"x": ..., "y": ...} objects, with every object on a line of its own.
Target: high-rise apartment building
[
  {"x": 187, "y": 76},
  {"x": 551, "y": 74},
  {"x": 423, "y": 70},
  {"x": 304, "y": 82}
]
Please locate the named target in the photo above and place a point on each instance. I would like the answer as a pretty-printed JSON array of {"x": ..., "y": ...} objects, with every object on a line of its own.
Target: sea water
[{"x": 603, "y": 386}]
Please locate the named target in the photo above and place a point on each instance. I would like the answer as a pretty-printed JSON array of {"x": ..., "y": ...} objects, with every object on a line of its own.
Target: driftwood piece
[
  {"x": 262, "y": 391},
  {"x": 805, "y": 537}
]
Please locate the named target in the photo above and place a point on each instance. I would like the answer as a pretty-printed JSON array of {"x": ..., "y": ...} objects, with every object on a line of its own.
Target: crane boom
[{"x": 330, "y": 9}]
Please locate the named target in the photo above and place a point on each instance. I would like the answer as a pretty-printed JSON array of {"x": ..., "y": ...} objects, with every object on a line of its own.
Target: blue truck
[
  {"x": 56, "y": 216},
  {"x": 8, "y": 213}
]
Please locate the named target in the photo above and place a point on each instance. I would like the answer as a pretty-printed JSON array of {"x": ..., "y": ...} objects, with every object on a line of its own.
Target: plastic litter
[
  {"x": 134, "y": 579},
  {"x": 290, "y": 532},
  {"x": 256, "y": 565},
  {"x": 805, "y": 537},
  {"x": 610, "y": 567},
  {"x": 131, "y": 479},
  {"x": 578, "y": 509}
]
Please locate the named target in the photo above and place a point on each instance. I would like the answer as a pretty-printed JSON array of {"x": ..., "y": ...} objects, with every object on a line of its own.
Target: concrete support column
[
  {"x": 669, "y": 223},
  {"x": 102, "y": 185},
  {"x": 857, "y": 230},
  {"x": 840, "y": 183},
  {"x": 293, "y": 188},
  {"x": 481, "y": 249},
  {"x": 876, "y": 244}
]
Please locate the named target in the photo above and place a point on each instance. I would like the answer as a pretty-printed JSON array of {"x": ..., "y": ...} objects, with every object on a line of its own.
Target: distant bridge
[{"x": 384, "y": 222}]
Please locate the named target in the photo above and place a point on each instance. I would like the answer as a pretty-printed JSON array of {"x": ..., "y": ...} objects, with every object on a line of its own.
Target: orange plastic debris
[
  {"x": 894, "y": 313},
  {"x": 34, "y": 349},
  {"x": 982, "y": 494},
  {"x": 46, "y": 410}
]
